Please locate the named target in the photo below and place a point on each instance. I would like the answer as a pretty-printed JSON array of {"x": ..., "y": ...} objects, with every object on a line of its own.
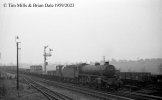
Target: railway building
[{"x": 36, "y": 69}]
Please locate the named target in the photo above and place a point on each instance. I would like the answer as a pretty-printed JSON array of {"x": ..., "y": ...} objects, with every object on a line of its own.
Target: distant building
[
  {"x": 36, "y": 69},
  {"x": 160, "y": 69}
]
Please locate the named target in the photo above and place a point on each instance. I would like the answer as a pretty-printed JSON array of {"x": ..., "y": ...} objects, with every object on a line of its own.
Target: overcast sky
[{"x": 119, "y": 29}]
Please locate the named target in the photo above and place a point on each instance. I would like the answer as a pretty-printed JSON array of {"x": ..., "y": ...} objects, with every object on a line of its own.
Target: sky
[{"x": 118, "y": 29}]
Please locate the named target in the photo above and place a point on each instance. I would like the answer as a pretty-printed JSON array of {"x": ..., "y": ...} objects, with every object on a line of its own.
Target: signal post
[{"x": 45, "y": 57}]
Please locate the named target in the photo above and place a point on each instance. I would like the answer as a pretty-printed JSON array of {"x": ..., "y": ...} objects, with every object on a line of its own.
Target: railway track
[
  {"x": 93, "y": 93},
  {"x": 48, "y": 93},
  {"x": 120, "y": 95},
  {"x": 137, "y": 96}
]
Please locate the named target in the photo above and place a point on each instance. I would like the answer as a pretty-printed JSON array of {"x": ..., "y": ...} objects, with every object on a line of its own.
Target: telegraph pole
[
  {"x": 17, "y": 65},
  {"x": 45, "y": 57},
  {"x": 17, "y": 44}
]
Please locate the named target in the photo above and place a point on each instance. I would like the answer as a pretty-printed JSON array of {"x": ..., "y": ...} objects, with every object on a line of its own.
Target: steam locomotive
[{"x": 97, "y": 76}]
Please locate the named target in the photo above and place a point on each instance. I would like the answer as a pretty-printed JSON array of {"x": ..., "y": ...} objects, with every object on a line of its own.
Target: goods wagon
[
  {"x": 140, "y": 76},
  {"x": 51, "y": 72},
  {"x": 36, "y": 69},
  {"x": 138, "y": 79}
]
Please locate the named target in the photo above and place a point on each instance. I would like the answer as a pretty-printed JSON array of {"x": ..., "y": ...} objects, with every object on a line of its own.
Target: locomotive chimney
[{"x": 106, "y": 63}]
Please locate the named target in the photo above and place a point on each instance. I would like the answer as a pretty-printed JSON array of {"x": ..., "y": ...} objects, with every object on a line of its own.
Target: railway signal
[{"x": 45, "y": 57}]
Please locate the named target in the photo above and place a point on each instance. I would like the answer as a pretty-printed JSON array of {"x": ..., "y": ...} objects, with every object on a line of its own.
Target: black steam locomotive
[{"x": 97, "y": 76}]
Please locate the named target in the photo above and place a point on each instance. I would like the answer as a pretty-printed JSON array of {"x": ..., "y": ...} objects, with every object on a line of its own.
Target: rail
[
  {"x": 48, "y": 93},
  {"x": 90, "y": 92}
]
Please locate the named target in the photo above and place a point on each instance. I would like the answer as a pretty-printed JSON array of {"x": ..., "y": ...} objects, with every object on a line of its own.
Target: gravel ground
[
  {"x": 25, "y": 92},
  {"x": 75, "y": 95}
]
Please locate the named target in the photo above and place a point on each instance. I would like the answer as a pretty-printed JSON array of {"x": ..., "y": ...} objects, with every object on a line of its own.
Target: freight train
[{"x": 97, "y": 76}]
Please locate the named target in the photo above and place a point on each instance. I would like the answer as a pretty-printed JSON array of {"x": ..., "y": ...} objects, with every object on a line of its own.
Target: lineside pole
[
  {"x": 17, "y": 45},
  {"x": 17, "y": 65}
]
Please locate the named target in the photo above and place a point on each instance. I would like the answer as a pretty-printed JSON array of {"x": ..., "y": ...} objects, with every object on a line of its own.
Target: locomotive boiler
[{"x": 100, "y": 70}]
